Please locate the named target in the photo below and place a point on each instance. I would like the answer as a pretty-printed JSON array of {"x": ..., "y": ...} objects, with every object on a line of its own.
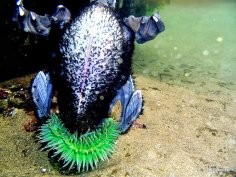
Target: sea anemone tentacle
[{"x": 81, "y": 152}]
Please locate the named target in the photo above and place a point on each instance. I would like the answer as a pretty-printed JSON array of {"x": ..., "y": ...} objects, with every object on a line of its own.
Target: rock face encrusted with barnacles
[{"x": 96, "y": 52}]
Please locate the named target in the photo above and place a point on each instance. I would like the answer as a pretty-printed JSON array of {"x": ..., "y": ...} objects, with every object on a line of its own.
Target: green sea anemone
[{"x": 84, "y": 152}]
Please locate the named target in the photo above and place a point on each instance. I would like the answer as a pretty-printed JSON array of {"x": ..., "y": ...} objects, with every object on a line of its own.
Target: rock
[{"x": 43, "y": 170}]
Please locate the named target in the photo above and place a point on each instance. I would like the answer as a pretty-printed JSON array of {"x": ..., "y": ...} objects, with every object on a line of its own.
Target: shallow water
[
  {"x": 197, "y": 49},
  {"x": 188, "y": 79}
]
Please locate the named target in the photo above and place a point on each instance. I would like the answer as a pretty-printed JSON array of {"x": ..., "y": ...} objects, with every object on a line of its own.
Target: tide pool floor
[{"x": 186, "y": 133}]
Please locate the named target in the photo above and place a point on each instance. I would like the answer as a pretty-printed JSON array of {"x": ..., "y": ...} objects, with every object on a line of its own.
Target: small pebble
[
  {"x": 43, "y": 170},
  {"x": 187, "y": 74}
]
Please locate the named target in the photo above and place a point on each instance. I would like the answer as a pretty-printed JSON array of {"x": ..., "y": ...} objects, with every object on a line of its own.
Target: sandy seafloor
[
  {"x": 186, "y": 134},
  {"x": 187, "y": 77}
]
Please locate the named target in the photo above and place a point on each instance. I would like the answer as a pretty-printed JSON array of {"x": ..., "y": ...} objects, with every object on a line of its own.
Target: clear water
[
  {"x": 188, "y": 132},
  {"x": 197, "y": 49}
]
